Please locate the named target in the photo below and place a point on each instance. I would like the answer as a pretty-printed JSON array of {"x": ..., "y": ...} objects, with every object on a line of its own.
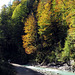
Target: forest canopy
[{"x": 38, "y": 30}]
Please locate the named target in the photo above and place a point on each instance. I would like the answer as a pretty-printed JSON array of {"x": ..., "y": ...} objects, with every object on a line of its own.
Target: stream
[{"x": 49, "y": 70}]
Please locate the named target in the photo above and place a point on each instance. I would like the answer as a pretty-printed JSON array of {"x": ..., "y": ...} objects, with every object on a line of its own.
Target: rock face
[
  {"x": 73, "y": 68},
  {"x": 65, "y": 67},
  {"x": 72, "y": 62}
]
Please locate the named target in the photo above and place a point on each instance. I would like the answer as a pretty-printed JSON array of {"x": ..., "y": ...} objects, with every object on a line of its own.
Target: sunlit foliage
[
  {"x": 66, "y": 14},
  {"x": 14, "y": 4},
  {"x": 29, "y": 39},
  {"x": 45, "y": 28},
  {"x": 20, "y": 11}
]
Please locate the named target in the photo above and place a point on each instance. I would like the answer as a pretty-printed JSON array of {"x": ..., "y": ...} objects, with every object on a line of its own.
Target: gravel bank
[
  {"x": 43, "y": 70},
  {"x": 50, "y": 71}
]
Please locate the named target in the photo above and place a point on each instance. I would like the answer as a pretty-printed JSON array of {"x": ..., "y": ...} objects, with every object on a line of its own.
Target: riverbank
[
  {"x": 40, "y": 70},
  {"x": 49, "y": 71},
  {"x": 63, "y": 67}
]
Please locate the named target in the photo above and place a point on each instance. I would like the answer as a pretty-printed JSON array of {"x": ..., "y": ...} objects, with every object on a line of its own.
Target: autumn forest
[{"x": 41, "y": 31}]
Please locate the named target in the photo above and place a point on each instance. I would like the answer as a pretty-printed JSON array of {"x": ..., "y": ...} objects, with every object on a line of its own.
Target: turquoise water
[
  {"x": 54, "y": 71},
  {"x": 64, "y": 73},
  {"x": 59, "y": 71}
]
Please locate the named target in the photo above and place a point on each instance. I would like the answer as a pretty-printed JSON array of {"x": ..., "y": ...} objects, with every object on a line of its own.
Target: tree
[
  {"x": 69, "y": 18},
  {"x": 15, "y": 3},
  {"x": 30, "y": 37},
  {"x": 52, "y": 27}
]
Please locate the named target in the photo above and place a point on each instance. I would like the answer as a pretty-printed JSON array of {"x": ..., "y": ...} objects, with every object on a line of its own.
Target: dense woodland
[{"x": 41, "y": 31}]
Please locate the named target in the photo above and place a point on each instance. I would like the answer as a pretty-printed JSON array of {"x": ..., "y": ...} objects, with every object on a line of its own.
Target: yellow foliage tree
[
  {"x": 29, "y": 39},
  {"x": 67, "y": 10},
  {"x": 44, "y": 16},
  {"x": 15, "y": 3}
]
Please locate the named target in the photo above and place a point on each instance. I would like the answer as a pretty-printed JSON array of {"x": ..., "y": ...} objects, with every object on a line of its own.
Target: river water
[{"x": 47, "y": 70}]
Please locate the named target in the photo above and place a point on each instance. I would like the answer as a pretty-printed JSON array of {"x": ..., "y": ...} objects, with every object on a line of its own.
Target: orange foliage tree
[{"x": 29, "y": 39}]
